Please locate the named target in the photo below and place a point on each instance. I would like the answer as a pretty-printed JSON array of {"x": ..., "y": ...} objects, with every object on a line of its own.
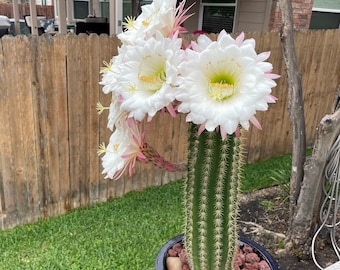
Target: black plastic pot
[{"x": 162, "y": 254}]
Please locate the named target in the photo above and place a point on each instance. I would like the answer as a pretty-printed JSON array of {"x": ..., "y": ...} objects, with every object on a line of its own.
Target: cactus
[{"x": 211, "y": 192}]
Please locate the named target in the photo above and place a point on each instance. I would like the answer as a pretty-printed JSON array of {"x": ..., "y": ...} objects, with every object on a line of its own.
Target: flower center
[
  {"x": 221, "y": 87},
  {"x": 153, "y": 82}
]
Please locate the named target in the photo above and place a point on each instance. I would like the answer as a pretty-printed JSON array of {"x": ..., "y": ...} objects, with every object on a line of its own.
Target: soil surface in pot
[{"x": 264, "y": 219}]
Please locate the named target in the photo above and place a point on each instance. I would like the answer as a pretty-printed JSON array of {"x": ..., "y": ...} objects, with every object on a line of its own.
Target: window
[
  {"x": 127, "y": 8},
  {"x": 105, "y": 9},
  {"x": 325, "y": 20},
  {"x": 80, "y": 9},
  {"x": 216, "y": 15}
]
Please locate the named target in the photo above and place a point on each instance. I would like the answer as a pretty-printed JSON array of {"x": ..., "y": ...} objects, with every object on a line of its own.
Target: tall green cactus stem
[{"x": 212, "y": 188}]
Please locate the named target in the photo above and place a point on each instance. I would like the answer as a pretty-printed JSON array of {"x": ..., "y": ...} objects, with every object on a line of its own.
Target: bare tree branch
[
  {"x": 308, "y": 207},
  {"x": 295, "y": 107}
]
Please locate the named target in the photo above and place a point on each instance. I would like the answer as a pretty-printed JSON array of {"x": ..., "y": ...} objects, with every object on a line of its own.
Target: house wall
[
  {"x": 259, "y": 15},
  {"x": 6, "y": 9},
  {"x": 252, "y": 15},
  {"x": 302, "y": 12},
  {"x": 192, "y": 23}
]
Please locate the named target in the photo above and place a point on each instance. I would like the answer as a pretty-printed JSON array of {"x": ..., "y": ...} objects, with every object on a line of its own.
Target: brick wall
[{"x": 302, "y": 12}]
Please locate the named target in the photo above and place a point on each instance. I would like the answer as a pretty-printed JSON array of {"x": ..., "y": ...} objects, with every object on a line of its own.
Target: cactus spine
[{"x": 211, "y": 191}]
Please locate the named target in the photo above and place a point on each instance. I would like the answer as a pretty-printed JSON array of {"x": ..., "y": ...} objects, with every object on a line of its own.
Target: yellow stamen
[
  {"x": 100, "y": 108},
  {"x": 102, "y": 149},
  {"x": 159, "y": 77},
  {"x": 148, "y": 79},
  {"x": 107, "y": 67},
  {"x": 221, "y": 91},
  {"x": 129, "y": 22}
]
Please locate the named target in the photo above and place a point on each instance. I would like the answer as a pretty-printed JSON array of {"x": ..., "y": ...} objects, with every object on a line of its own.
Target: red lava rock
[
  {"x": 238, "y": 261},
  {"x": 177, "y": 247},
  {"x": 263, "y": 265},
  {"x": 185, "y": 267},
  {"x": 251, "y": 266},
  {"x": 252, "y": 258},
  {"x": 183, "y": 256},
  {"x": 175, "y": 250},
  {"x": 172, "y": 253},
  {"x": 247, "y": 249},
  {"x": 242, "y": 256}
]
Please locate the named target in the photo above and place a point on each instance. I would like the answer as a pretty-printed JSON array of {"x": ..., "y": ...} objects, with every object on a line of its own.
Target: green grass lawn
[{"x": 125, "y": 233}]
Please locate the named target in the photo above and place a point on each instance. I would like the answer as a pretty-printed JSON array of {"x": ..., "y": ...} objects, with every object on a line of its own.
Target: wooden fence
[{"x": 50, "y": 130}]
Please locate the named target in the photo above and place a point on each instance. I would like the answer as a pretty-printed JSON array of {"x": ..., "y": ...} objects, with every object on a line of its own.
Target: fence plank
[
  {"x": 9, "y": 214},
  {"x": 312, "y": 70},
  {"x": 274, "y": 139},
  {"x": 17, "y": 117},
  {"x": 105, "y": 186},
  {"x": 255, "y": 136},
  {"x": 40, "y": 107},
  {"x": 113, "y": 188},
  {"x": 26, "y": 107},
  {"x": 76, "y": 72},
  {"x": 48, "y": 116},
  {"x": 84, "y": 116},
  {"x": 61, "y": 105},
  {"x": 94, "y": 78},
  {"x": 3, "y": 125},
  {"x": 18, "y": 133}
]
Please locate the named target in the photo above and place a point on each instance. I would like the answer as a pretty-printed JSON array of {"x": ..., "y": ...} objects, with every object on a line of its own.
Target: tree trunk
[
  {"x": 308, "y": 206},
  {"x": 306, "y": 178},
  {"x": 306, "y": 216},
  {"x": 295, "y": 104}
]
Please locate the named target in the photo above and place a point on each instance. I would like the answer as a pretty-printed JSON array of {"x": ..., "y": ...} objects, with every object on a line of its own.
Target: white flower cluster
[{"x": 219, "y": 84}]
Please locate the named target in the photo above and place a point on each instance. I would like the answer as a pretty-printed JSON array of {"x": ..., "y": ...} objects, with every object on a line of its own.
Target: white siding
[{"x": 252, "y": 15}]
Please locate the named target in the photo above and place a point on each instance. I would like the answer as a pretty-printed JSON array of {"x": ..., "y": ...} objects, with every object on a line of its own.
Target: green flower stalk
[{"x": 212, "y": 188}]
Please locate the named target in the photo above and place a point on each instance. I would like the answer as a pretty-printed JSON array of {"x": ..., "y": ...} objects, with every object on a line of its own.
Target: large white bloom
[
  {"x": 150, "y": 76},
  {"x": 111, "y": 72},
  {"x": 224, "y": 83},
  {"x": 124, "y": 148},
  {"x": 110, "y": 78},
  {"x": 157, "y": 16},
  {"x": 115, "y": 112},
  {"x": 112, "y": 161}
]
